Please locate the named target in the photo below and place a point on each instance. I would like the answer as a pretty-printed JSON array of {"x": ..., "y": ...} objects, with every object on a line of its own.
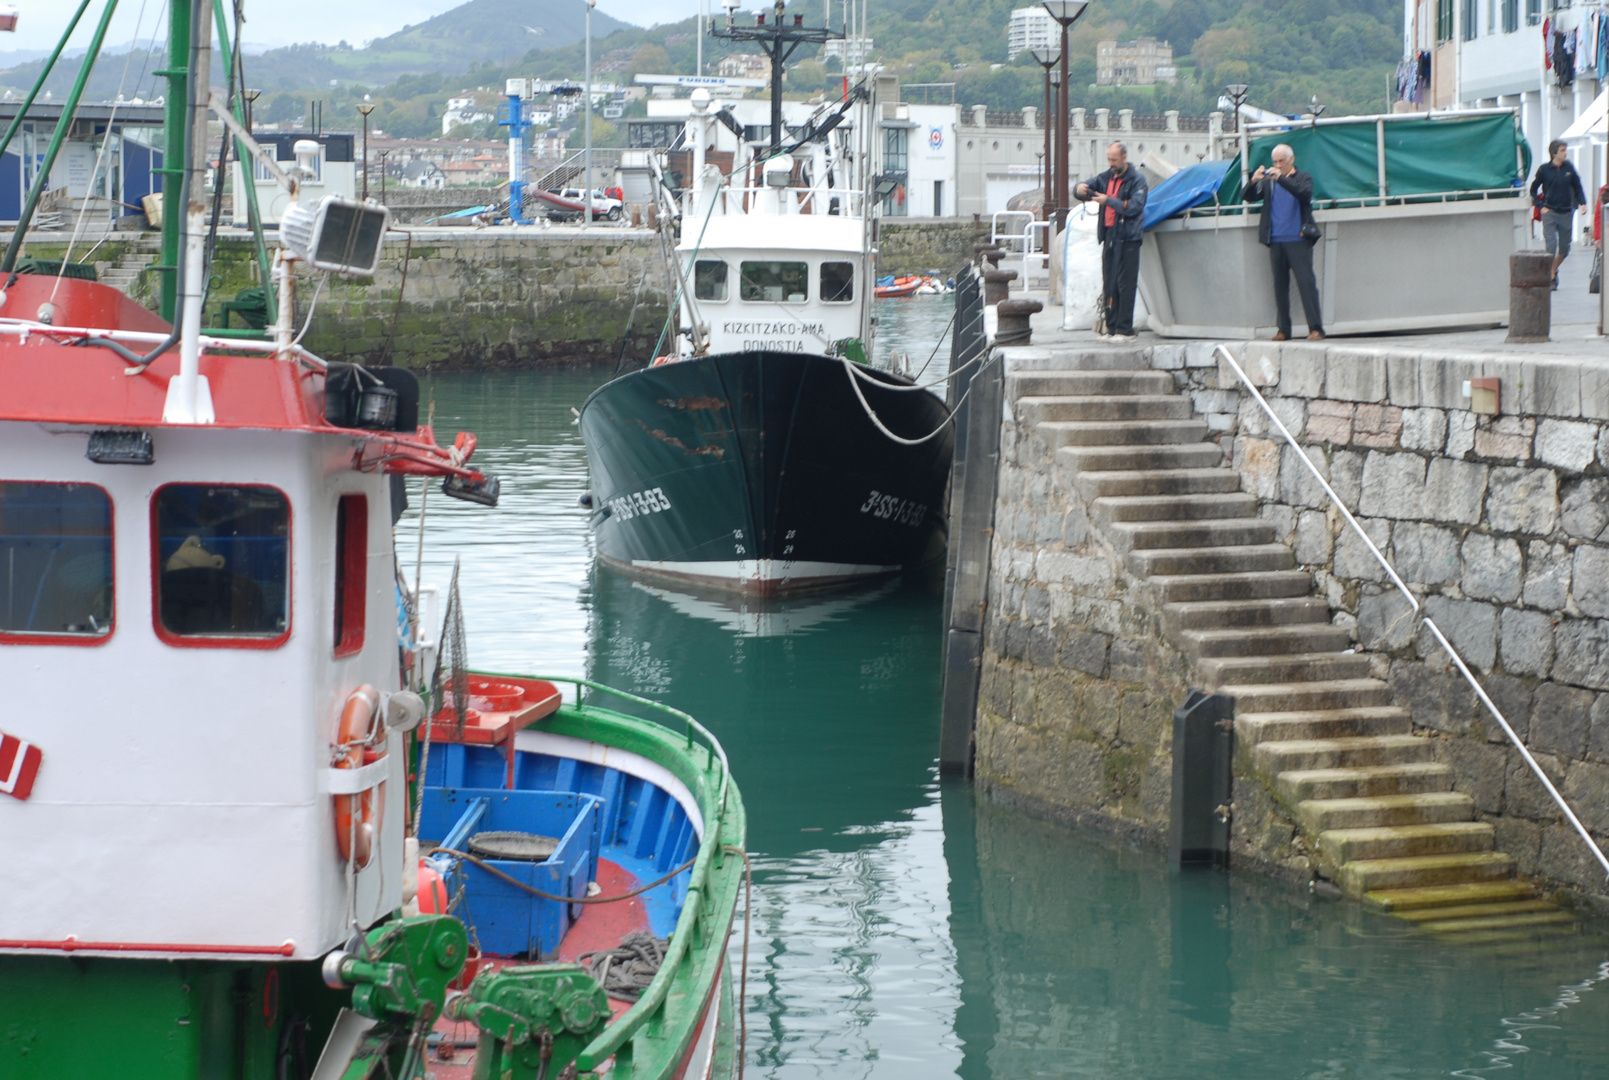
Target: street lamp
[
  {"x": 1046, "y": 58},
  {"x": 586, "y": 220},
  {"x": 365, "y": 107},
  {"x": 1065, "y": 12},
  {"x": 1237, "y": 93},
  {"x": 251, "y": 95},
  {"x": 383, "y": 154}
]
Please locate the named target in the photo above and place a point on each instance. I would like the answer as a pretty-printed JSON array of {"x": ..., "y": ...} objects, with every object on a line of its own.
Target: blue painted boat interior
[{"x": 595, "y": 811}]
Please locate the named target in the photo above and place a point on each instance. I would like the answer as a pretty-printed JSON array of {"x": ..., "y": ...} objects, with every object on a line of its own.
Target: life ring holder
[{"x": 358, "y": 761}]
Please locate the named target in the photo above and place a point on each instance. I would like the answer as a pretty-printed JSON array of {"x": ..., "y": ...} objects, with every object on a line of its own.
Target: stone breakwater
[{"x": 1500, "y": 524}]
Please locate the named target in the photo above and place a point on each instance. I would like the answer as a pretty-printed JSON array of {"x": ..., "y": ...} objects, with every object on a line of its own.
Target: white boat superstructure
[{"x": 777, "y": 254}]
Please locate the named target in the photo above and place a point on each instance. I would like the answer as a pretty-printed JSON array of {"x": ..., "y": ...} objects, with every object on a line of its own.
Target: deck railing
[{"x": 1413, "y": 602}]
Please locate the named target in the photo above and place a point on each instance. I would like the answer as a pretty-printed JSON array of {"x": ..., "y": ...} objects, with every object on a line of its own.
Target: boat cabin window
[
  {"x": 837, "y": 281},
  {"x": 709, "y": 279},
  {"x": 55, "y": 561},
  {"x": 351, "y": 572},
  {"x": 775, "y": 281},
  {"x": 222, "y": 561}
]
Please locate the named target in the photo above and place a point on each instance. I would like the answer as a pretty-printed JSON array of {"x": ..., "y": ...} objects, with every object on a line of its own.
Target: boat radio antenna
[{"x": 778, "y": 41}]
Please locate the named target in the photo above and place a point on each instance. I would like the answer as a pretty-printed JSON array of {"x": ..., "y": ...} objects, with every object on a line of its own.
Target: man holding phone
[
  {"x": 1121, "y": 192},
  {"x": 1289, "y": 232}
]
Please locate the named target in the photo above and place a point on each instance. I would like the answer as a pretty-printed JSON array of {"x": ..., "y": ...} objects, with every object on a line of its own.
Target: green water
[{"x": 903, "y": 929}]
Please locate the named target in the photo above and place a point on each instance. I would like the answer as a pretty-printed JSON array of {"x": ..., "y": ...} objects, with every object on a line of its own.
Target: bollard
[
  {"x": 1012, "y": 321},
  {"x": 981, "y": 252},
  {"x": 997, "y": 285},
  {"x": 1530, "y": 296}
]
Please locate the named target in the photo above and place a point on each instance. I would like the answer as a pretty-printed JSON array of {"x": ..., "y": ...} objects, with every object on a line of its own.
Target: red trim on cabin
[
  {"x": 72, "y": 944},
  {"x": 77, "y": 303},
  {"x": 351, "y": 573},
  {"x": 218, "y": 641},
  {"x": 75, "y": 640}
]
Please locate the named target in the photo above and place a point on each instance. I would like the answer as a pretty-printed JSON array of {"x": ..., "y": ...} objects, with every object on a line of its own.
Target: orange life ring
[{"x": 361, "y": 741}]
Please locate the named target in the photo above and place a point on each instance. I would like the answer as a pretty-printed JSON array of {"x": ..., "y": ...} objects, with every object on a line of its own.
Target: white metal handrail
[{"x": 1413, "y": 601}]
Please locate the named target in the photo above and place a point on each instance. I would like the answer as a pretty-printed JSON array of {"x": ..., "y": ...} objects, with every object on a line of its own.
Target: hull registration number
[
  {"x": 651, "y": 501},
  {"x": 895, "y": 509}
]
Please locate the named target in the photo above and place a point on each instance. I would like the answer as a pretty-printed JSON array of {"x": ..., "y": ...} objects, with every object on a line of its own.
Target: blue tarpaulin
[{"x": 1189, "y": 187}]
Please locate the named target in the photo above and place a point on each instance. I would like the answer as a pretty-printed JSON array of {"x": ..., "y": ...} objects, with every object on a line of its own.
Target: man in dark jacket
[
  {"x": 1556, "y": 188},
  {"x": 1289, "y": 232},
  {"x": 1121, "y": 192}
]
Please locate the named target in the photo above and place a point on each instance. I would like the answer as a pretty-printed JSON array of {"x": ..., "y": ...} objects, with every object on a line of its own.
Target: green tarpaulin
[{"x": 1423, "y": 157}]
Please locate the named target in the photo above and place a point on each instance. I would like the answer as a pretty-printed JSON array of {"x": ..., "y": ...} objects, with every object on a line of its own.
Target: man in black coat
[
  {"x": 1289, "y": 232},
  {"x": 1121, "y": 192},
  {"x": 1556, "y": 189}
]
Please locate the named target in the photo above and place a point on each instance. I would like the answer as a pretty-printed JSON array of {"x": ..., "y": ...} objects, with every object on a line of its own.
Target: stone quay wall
[
  {"x": 925, "y": 245},
  {"x": 1499, "y": 524}
]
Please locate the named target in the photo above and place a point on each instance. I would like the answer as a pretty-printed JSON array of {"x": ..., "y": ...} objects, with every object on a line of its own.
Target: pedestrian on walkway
[
  {"x": 1556, "y": 190},
  {"x": 1289, "y": 232},
  {"x": 1121, "y": 192}
]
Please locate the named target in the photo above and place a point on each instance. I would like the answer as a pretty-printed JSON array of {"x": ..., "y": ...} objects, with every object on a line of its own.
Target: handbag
[{"x": 1311, "y": 232}]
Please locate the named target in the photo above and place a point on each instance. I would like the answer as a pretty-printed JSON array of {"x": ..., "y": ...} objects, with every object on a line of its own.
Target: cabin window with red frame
[
  {"x": 222, "y": 560},
  {"x": 351, "y": 572},
  {"x": 55, "y": 560}
]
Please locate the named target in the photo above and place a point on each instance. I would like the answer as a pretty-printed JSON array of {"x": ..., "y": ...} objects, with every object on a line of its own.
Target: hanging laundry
[
  {"x": 1547, "y": 44},
  {"x": 1563, "y": 58},
  {"x": 1603, "y": 45}
]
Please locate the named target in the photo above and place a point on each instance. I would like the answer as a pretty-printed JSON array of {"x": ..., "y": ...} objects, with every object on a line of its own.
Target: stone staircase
[
  {"x": 1377, "y": 812},
  {"x": 123, "y": 273}
]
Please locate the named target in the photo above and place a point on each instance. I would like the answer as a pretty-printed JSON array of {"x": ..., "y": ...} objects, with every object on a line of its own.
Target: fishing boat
[
  {"x": 232, "y": 728},
  {"x": 762, "y": 453}
]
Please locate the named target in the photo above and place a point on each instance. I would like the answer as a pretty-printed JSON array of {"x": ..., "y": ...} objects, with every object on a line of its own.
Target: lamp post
[
  {"x": 365, "y": 107},
  {"x": 1065, "y": 12},
  {"x": 586, "y": 220},
  {"x": 383, "y": 155},
  {"x": 1237, "y": 93},
  {"x": 251, "y": 95},
  {"x": 1046, "y": 58}
]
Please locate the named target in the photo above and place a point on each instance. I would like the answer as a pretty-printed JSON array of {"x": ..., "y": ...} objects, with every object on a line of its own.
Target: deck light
[
  {"x": 120, "y": 448},
  {"x": 343, "y": 236}
]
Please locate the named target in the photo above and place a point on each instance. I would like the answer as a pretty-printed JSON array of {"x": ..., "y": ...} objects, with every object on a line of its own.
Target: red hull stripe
[{"x": 71, "y": 944}]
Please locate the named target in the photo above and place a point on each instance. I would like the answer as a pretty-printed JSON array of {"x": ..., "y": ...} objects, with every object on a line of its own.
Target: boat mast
[
  {"x": 778, "y": 42},
  {"x": 187, "y": 402}
]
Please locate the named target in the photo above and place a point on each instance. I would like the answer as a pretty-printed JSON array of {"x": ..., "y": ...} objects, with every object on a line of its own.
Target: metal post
[
  {"x": 366, "y": 108},
  {"x": 174, "y": 127},
  {"x": 586, "y": 220},
  {"x": 1063, "y": 110},
  {"x": 1046, "y": 59},
  {"x": 1380, "y": 156},
  {"x": 186, "y": 403}
]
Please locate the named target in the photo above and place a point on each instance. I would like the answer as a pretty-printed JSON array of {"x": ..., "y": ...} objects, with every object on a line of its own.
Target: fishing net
[{"x": 449, "y": 684}]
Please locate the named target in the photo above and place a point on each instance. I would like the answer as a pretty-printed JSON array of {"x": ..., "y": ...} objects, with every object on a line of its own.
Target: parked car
[{"x": 603, "y": 206}]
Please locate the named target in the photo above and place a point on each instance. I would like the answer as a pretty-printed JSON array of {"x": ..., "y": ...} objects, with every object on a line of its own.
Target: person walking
[
  {"x": 1556, "y": 190},
  {"x": 1289, "y": 232},
  {"x": 1121, "y": 192}
]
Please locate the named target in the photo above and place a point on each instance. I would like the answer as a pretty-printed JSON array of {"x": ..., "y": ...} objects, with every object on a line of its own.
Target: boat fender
[
  {"x": 432, "y": 890},
  {"x": 361, "y": 741}
]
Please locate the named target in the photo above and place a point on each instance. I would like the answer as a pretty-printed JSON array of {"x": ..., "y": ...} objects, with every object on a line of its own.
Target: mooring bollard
[
  {"x": 1530, "y": 296},
  {"x": 1012, "y": 321},
  {"x": 997, "y": 285}
]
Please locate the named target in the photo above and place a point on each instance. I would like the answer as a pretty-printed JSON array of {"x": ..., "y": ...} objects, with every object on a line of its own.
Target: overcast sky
[{"x": 283, "y": 22}]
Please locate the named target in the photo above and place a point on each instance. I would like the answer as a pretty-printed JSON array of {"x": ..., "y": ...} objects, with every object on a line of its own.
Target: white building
[
  {"x": 919, "y": 154},
  {"x": 463, "y": 109},
  {"x": 1485, "y": 53},
  {"x": 335, "y": 172},
  {"x": 1031, "y": 28}
]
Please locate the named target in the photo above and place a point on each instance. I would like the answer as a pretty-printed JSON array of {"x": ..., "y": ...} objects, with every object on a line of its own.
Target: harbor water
[{"x": 903, "y": 927}]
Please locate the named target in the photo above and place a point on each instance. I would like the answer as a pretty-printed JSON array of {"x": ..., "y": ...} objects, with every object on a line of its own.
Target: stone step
[
  {"x": 1224, "y": 614},
  {"x": 1305, "y": 755},
  {"x": 1171, "y": 456},
  {"x": 1212, "y": 506},
  {"x": 1069, "y": 383},
  {"x": 1430, "y": 808},
  {"x": 1368, "y": 781},
  {"x": 1476, "y": 911},
  {"x": 1039, "y": 410},
  {"x": 1340, "y": 846},
  {"x": 1532, "y": 936},
  {"x": 1215, "y": 533},
  {"x": 1372, "y": 875},
  {"x": 1265, "y": 640},
  {"x": 1235, "y": 559},
  {"x": 1317, "y": 696},
  {"x": 1195, "y": 588},
  {"x": 1140, "y": 483},
  {"x": 1254, "y": 728},
  {"x": 1451, "y": 896},
  {"x": 1555, "y": 917},
  {"x": 1110, "y": 433},
  {"x": 1224, "y": 671}
]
